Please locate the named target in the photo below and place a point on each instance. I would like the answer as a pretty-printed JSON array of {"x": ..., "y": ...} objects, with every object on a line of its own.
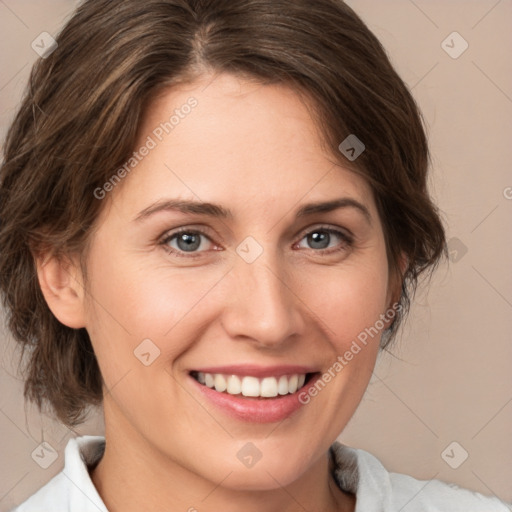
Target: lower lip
[{"x": 254, "y": 410}]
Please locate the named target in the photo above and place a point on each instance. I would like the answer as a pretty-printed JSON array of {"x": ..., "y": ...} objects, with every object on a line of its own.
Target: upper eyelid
[
  {"x": 326, "y": 227},
  {"x": 173, "y": 232}
]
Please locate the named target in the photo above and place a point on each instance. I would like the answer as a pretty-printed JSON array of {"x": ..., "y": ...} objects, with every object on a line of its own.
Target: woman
[{"x": 213, "y": 214}]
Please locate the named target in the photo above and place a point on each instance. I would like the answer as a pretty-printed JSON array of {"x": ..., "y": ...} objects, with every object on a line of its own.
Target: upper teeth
[{"x": 252, "y": 386}]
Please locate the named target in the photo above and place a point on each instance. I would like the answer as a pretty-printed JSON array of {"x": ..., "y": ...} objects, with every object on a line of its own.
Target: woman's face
[{"x": 258, "y": 292}]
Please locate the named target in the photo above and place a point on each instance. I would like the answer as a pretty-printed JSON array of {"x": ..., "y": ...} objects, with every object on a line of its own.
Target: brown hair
[{"x": 79, "y": 118}]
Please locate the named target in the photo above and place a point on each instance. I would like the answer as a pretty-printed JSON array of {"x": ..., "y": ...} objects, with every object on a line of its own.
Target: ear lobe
[{"x": 61, "y": 284}]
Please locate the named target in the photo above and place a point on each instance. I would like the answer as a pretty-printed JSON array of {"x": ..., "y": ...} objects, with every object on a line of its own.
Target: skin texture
[{"x": 255, "y": 150}]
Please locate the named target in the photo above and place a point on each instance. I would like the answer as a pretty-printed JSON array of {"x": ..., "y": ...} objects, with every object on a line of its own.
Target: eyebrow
[{"x": 218, "y": 211}]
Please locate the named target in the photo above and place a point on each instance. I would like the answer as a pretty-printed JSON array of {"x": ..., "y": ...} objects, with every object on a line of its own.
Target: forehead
[{"x": 227, "y": 139}]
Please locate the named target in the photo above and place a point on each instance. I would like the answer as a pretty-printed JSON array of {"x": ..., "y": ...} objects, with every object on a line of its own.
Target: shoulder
[
  {"x": 434, "y": 495},
  {"x": 72, "y": 489},
  {"x": 54, "y": 494},
  {"x": 377, "y": 489}
]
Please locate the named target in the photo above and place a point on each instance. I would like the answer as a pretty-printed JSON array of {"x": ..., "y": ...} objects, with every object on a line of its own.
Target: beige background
[{"x": 450, "y": 379}]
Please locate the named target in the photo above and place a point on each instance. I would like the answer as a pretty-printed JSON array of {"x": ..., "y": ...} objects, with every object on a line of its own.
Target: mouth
[{"x": 252, "y": 387}]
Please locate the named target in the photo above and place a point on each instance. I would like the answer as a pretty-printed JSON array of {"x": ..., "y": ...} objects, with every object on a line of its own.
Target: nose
[{"x": 263, "y": 305}]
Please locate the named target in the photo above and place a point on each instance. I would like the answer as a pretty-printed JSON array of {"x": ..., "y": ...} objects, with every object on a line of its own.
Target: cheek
[
  {"x": 347, "y": 299},
  {"x": 132, "y": 300}
]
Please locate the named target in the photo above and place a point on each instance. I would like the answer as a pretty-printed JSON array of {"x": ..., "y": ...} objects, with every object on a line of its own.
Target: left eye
[{"x": 322, "y": 237}]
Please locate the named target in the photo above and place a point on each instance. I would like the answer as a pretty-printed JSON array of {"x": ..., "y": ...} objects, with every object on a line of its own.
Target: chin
[{"x": 274, "y": 473}]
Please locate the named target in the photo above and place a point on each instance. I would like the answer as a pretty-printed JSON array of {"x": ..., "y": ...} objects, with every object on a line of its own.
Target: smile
[
  {"x": 253, "y": 393},
  {"x": 251, "y": 386}
]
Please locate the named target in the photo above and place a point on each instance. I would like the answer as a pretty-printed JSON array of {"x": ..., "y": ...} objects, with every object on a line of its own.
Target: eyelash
[{"x": 347, "y": 241}]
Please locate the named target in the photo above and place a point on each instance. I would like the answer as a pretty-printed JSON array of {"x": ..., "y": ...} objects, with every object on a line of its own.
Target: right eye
[{"x": 185, "y": 241}]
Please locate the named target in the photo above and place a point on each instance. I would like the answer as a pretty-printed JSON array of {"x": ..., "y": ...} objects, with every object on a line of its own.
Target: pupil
[
  {"x": 319, "y": 239},
  {"x": 190, "y": 242}
]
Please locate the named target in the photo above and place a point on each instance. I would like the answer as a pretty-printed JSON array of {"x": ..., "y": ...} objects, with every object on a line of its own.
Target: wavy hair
[{"x": 78, "y": 122}]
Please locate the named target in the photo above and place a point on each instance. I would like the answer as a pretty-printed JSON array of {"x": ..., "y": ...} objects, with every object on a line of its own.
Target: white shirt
[{"x": 354, "y": 470}]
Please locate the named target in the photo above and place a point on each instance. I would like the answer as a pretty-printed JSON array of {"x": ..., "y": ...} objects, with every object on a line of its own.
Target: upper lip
[{"x": 257, "y": 371}]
